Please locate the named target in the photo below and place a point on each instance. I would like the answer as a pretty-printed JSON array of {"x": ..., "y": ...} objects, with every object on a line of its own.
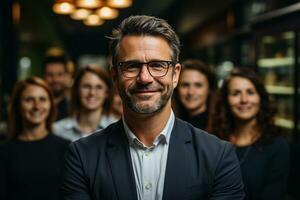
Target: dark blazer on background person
[{"x": 199, "y": 166}]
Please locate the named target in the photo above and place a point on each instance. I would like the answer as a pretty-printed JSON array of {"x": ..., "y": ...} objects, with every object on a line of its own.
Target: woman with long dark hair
[
  {"x": 31, "y": 161},
  {"x": 194, "y": 94},
  {"x": 244, "y": 115}
]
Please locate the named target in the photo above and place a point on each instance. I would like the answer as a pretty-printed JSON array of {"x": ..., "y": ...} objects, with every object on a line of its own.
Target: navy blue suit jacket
[{"x": 199, "y": 166}]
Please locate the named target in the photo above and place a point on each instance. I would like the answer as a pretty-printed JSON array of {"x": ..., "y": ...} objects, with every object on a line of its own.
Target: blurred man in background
[{"x": 56, "y": 75}]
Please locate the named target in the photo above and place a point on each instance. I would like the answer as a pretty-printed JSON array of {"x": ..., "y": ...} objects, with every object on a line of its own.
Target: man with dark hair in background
[
  {"x": 56, "y": 75},
  {"x": 149, "y": 154}
]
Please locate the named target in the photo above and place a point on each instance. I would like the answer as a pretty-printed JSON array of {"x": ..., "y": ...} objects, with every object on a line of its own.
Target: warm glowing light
[
  {"x": 108, "y": 13},
  {"x": 93, "y": 20},
  {"x": 55, "y": 51},
  {"x": 63, "y": 8},
  {"x": 119, "y": 3},
  {"x": 80, "y": 14},
  {"x": 16, "y": 12},
  {"x": 89, "y": 3}
]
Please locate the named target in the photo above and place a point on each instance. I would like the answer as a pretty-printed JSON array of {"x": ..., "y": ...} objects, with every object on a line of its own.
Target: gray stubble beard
[{"x": 146, "y": 110}]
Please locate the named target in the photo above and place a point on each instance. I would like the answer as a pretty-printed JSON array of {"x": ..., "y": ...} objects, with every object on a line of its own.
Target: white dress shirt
[{"x": 149, "y": 163}]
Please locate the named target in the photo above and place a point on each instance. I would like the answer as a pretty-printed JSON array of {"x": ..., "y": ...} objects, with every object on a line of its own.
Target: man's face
[
  {"x": 55, "y": 76},
  {"x": 145, "y": 94}
]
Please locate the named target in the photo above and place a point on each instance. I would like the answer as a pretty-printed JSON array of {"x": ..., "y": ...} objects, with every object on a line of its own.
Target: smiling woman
[
  {"x": 31, "y": 161},
  {"x": 32, "y": 104},
  {"x": 91, "y": 100},
  {"x": 244, "y": 115},
  {"x": 194, "y": 95},
  {"x": 243, "y": 99}
]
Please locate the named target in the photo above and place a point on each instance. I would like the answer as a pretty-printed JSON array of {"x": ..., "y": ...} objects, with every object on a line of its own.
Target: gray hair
[{"x": 143, "y": 25}]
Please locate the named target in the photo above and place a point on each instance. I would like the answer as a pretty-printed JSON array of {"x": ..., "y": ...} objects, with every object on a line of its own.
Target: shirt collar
[
  {"x": 75, "y": 126},
  {"x": 164, "y": 135}
]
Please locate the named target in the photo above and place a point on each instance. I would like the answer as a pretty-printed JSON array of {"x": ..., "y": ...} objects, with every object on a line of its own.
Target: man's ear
[{"x": 176, "y": 73}]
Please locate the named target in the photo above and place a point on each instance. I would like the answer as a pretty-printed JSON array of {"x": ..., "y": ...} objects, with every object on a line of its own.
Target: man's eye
[
  {"x": 157, "y": 65},
  {"x": 132, "y": 66}
]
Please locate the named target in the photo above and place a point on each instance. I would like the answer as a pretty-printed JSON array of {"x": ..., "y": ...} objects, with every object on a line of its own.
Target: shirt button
[
  {"x": 148, "y": 186},
  {"x": 147, "y": 153}
]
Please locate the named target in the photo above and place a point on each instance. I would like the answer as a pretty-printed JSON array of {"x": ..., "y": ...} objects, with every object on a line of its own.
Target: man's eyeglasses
[{"x": 132, "y": 69}]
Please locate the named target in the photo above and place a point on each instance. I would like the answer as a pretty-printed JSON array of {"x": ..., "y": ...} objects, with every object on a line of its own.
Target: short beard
[
  {"x": 146, "y": 109},
  {"x": 58, "y": 93}
]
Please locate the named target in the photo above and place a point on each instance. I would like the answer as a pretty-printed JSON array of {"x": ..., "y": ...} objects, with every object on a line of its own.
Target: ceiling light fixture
[
  {"x": 93, "y": 20},
  {"x": 80, "y": 14},
  {"x": 107, "y": 13},
  {"x": 89, "y": 3},
  {"x": 63, "y": 7},
  {"x": 92, "y": 12},
  {"x": 119, "y": 3}
]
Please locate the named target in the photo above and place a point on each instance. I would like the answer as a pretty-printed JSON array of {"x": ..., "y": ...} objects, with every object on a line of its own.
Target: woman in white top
[{"x": 90, "y": 104}]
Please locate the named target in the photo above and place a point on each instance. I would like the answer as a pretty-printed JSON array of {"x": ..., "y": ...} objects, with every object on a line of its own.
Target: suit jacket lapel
[
  {"x": 175, "y": 178},
  {"x": 120, "y": 162}
]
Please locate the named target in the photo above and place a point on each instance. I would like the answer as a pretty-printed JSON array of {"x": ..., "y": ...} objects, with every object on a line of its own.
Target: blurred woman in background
[
  {"x": 90, "y": 104},
  {"x": 31, "y": 161},
  {"x": 244, "y": 116},
  {"x": 194, "y": 93}
]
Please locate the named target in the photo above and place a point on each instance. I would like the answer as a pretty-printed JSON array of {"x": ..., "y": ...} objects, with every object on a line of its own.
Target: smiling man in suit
[{"x": 149, "y": 154}]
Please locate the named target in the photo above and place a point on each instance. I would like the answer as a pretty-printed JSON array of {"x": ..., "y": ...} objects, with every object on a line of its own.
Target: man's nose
[
  {"x": 144, "y": 75},
  {"x": 56, "y": 78}
]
